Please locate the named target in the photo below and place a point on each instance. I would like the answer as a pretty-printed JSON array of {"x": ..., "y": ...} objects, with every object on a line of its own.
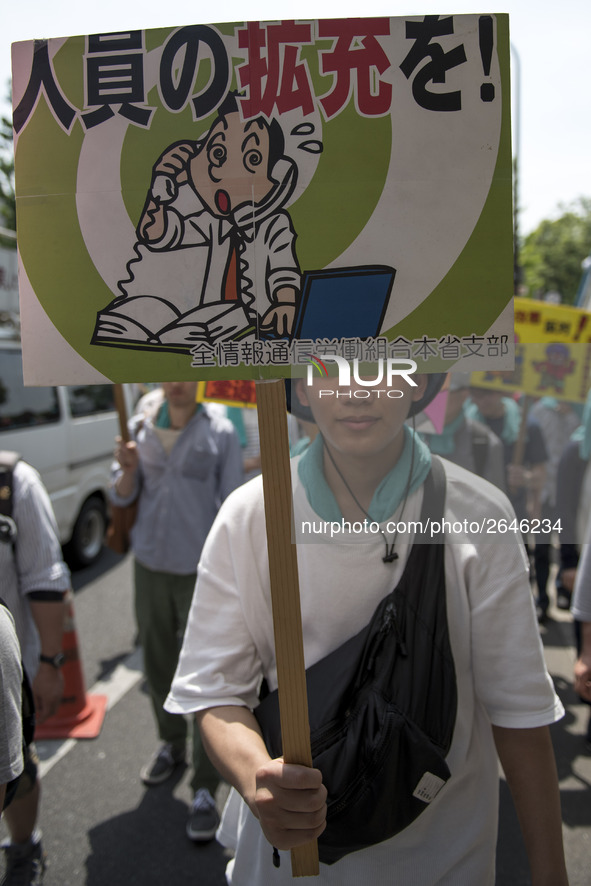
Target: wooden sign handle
[
  {"x": 285, "y": 594},
  {"x": 119, "y": 396},
  {"x": 519, "y": 447}
]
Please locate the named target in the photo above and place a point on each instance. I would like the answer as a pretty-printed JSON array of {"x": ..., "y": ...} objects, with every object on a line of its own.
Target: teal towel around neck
[
  {"x": 389, "y": 492},
  {"x": 511, "y": 419},
  {"x": 163, "y": 417},
  {"x": 445, "y": 443}
]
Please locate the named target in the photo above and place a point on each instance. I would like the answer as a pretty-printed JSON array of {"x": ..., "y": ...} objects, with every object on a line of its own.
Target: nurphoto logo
[{"x": 386, "y": 369}]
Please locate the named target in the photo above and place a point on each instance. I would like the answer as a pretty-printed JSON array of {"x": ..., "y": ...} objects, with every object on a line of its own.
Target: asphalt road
[{"x": 102, "y": 827}]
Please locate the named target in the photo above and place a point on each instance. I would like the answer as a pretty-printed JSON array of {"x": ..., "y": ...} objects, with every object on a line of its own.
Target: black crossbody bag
[{"x": 382, "y": 706}]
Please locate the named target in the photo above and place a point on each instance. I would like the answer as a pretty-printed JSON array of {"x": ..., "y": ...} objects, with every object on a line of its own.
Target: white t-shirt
[
  {"x": 35, "y": 563},
  {"x": 11, "y": 676},
  {"x": 500, "y": 670}
]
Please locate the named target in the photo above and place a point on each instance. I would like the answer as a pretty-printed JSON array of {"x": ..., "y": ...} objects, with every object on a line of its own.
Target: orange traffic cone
[{"x": 79, "y": 715}]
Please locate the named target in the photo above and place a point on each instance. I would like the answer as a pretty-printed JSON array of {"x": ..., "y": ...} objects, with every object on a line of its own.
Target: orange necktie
[{"x": 231, "y": 278}]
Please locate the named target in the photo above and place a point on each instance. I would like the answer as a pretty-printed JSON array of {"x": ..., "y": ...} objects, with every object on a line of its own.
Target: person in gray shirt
[
  {"x": 581, "y": 611},
  {"x": 34, "y": 582},
  {"x": 183, "y": 459}
]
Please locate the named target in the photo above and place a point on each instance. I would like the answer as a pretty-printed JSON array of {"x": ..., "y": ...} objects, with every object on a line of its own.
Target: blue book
[{"x": 343, "y": 302}]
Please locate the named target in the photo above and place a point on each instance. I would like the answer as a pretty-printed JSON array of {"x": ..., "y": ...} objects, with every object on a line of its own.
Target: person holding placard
[
  {"x": 366, "y": 465},
  {"x": 180, "y": 464}
]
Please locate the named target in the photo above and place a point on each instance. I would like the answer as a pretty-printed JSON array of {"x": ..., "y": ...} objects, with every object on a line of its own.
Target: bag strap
[
  {"x": 8, "y": 462},
  {"x": 434, "y": 489},
  {"x": 480, "y": 444},
  {"x": 432, "y": 508}
]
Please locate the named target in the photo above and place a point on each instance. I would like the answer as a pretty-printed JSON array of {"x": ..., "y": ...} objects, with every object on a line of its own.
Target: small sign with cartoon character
[
  {"x": 552, "y": 369},
  {"x": 223, "y": 200}
]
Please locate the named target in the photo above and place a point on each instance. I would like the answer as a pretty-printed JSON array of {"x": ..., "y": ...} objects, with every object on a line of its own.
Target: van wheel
[{"x": 86, "y": 543}]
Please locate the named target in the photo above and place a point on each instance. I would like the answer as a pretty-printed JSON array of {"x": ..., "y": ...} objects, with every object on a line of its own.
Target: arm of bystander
[{"x": 527, "y": 758}]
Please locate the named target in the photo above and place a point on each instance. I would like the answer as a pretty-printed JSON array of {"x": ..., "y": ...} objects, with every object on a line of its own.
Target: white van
[{"x": 67, "y": 434}]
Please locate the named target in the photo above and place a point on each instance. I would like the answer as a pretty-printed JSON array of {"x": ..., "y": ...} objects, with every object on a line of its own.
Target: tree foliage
[
  {"x": 7, "y": 201},
  {"x": 552, "y": 255}
]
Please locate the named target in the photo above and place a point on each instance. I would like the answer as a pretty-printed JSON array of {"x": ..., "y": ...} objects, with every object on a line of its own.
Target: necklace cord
[{"x": 391, "y": 554}]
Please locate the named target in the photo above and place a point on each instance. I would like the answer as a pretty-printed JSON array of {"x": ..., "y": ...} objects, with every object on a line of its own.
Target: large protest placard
[{"x": 224, "y": 200}]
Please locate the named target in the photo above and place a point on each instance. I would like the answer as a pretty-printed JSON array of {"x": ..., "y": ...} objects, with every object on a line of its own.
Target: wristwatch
[{"x": 56, "y": 661}]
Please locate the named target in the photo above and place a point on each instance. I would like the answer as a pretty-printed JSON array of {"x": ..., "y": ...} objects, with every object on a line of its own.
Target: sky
[{"x": 550, "y": 52}]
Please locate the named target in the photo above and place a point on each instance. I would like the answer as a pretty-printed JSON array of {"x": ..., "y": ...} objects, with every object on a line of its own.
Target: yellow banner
[{"x": 538, "y": 321}]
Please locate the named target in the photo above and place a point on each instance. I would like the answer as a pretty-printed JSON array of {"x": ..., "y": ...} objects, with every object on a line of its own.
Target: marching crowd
[{"x": 202, "y": 605}]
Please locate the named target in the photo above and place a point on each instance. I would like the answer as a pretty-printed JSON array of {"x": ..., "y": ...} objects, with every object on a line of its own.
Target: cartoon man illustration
[
  {"x": 215, "y": 256},
  {"x": 554, "y": 369}
]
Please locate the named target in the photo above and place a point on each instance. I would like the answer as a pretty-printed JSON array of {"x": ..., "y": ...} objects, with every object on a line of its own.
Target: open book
[{"x": 147, "y": 320}]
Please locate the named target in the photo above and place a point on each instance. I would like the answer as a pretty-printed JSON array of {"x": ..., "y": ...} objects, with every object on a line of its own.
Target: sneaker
[
  {"x": 542, "y": 614},
  {"x": 203, "y": 818},
  {"x": 25, "y": 863},
  {"x": 162, "y": 764}
]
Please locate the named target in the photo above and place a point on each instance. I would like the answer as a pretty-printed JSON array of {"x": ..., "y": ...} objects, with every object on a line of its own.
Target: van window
[
  {"x": 22, "y": 407},
  {"x": 90, "y": 399}
]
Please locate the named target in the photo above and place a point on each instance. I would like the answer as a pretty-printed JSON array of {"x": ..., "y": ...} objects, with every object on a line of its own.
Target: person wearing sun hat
[
  {"x": 466, "y": 441},
  {"x": 503, "y": 415},
  {"x": 367, "y": 462}
]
